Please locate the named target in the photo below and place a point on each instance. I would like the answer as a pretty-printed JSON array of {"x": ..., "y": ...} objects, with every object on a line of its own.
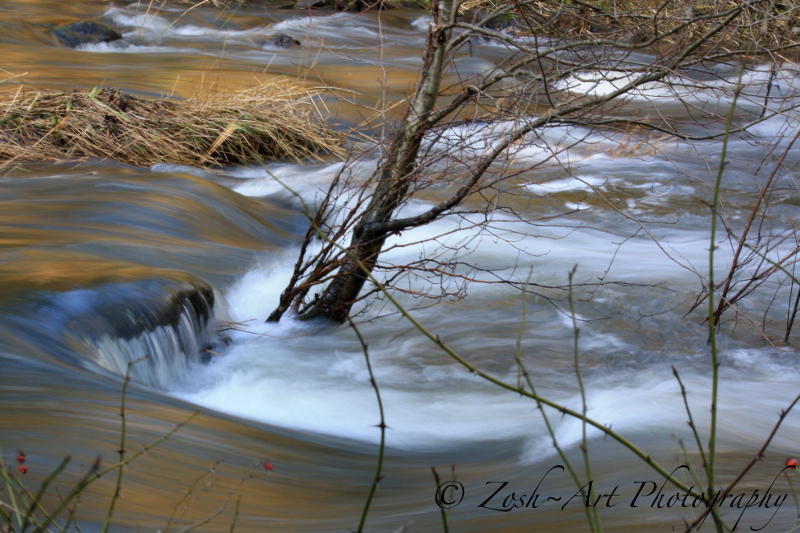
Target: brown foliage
[{"x": 276, "y": 121}]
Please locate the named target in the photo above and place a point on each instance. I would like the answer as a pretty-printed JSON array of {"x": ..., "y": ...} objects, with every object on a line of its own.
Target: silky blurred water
[{"x": 90, "y": 251}]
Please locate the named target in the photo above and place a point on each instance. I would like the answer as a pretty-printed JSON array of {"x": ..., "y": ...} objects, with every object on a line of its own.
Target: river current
[{"x": 89, "y": 251}]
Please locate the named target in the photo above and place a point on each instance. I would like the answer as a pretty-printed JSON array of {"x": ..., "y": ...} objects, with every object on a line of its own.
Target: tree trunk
[
  {"x": 395, "y": 179},
  {"x": 342, "y": 292}
]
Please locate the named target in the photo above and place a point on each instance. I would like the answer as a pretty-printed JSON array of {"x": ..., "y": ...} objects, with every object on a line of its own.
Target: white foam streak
[
  {"x": 306, "y": 24},
  {"x": 307, "y": 398},
  {"x": 149, "y": 26},
  {"x": 345, "y": 31},
  {"x": 578, "y": 183},
  {"x": 121, "y": 47},
  {"x": 652, "y": 402},
  {"x": 124, "y": 19},
  {"x": 551, "y": 248},
  {"x": 422, "y": 23},
  {"x": 678, "y": 91}
]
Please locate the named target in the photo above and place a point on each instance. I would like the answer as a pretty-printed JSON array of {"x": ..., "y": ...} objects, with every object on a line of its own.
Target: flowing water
[{"x": 100, "y": 264}]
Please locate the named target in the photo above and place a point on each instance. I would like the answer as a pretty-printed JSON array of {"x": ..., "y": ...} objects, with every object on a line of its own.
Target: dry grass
[
  {"x": 267, "y": 122},
  {"x": 763, "y": 25}
]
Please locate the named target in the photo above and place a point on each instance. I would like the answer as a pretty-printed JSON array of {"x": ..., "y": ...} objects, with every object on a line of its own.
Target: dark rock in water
[
  {"x": 170, "y": 322},
  {"x": 104, "y": 327},
  {"x": 344, "y": 5},
  {"x": 75, "y": 34},
  {"x": 502, "y": 23},
  {"x": 309, "y": 4},
  {"x": 139, "y": 316},
  {"x": 282, "y": 40}
]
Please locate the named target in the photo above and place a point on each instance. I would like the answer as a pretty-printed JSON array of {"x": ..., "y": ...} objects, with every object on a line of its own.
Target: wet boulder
[
  {"x": 76, "y": 34},
  {"x": 104, "y": 325},
  {"x": 282, "y": 40},
  {"x": 344, "y": 5},
  {"x": 310, "y": 4}
]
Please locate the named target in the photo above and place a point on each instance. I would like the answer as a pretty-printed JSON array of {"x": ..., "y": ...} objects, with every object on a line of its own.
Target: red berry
[
  {"x": 791, "y": 463},
  {"x": 268, "y": 467},
  {"x": 23, "y": 469},
  {"x": 21, "y": 457}
]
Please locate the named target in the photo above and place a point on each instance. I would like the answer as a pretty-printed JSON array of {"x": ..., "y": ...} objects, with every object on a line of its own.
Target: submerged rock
[
  {"x": 76, "y": 34},
  {"x": 283, "y": 40},
  {"x": 130, "y": 317},
  {"x": 170, "y": 323},
  {"x": 344, "y": 5},
  {"x": 309, "y": 4},
  {"x": 167, "y": 324}
]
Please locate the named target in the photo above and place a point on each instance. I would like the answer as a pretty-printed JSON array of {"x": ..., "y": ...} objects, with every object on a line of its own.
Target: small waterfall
[
  {"x": 104, "y": 327},
  {"x": 171, "y": 346}
]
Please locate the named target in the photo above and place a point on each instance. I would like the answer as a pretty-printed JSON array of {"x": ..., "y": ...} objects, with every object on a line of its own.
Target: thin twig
[
  {"x": 121, "y": 450},
  {"x": 594, "y": 518},
  {"x": 757, "y": 457},
  {"x": 382, "y": 425},
  {"x": 442, "y": 510},
  {"x": 712, "y": 317}
]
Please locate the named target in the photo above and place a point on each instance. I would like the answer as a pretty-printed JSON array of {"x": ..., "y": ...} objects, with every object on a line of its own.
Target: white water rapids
[{"x": 629, "y": 211}]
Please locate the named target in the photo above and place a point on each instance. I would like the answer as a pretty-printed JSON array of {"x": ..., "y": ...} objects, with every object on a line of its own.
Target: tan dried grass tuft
[
  {"x": 267, "y": 122},
  {"x": 762, "y": 29}
]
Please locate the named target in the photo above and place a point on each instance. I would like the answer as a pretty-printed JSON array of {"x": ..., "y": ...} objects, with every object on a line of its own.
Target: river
[{"x": 90, "y": 250}]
